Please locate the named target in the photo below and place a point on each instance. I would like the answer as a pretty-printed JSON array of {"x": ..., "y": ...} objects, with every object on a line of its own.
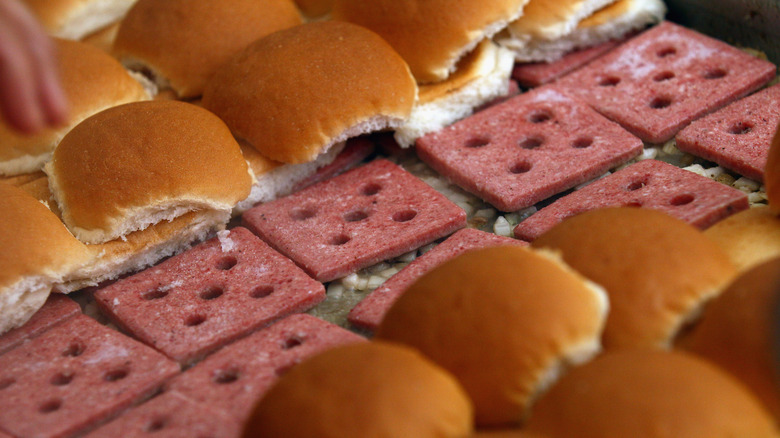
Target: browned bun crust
[
  {"x": 656, "y": 269},
  {"x": 644, "y": 393},
  {"x": 430, "y": 35},
  {"x": 292, "y": 94},
  {"x": 92, "y": 81},
  {"x": 74, "y": 19},
  {"x": 137, "y": 164},
  {"x": 737, "y": 332},
  {"x": 185, "y": 41},
  {"x": 362, "y": 390},
  {"x": 772, "y": 174},
  {"x": 502, "y": 320},
  {"x": 314, "y": 8},
  {"x": 749, "y": 237}
]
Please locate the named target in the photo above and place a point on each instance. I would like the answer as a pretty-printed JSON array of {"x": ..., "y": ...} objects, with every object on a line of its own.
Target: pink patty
[
  {"x": 206, "y": 297},
  {"x": 355, "y": 151},
  {"x": 73, "y": 376},
  {"x": 372, "y": 309},
  {"x": 372, "y": 213},
  {"x": 658, "y": 82},
  {"x": 57, "y": 308},
  {"x": 653, "y": 184},
  {"x": 528, "y": 148},
  {"x": 540, "y": 73},
  {"x": 738, "y": 136},
  {"x": 234, "y": 378}
]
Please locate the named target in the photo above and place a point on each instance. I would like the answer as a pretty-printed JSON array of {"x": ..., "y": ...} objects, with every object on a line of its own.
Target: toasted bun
[
  {"x": 505, "y": 321},
  {"x": 657, "y": 270},
  {"x": 772, "y": 174},
  {"x": 737, "y": 332},
  {"x": 38, "y": 251},
  {"x": 92, "y": 81},
  {"x": 74, "y": 19},
  {"x": 481, "y": 76},
  {"x": 749, "y": 237},
  {"x": 649, "y": 394},
  {"x": 611, "y": 22},
  {"x": 183, "y": 42},
  {"x": 369, "y": 389},
  {"x": 134, "y": 165},
  {"x": 294, "y": 94},
  {"x": 430, "y": 35},
  {"x": 314, "y": 8}
]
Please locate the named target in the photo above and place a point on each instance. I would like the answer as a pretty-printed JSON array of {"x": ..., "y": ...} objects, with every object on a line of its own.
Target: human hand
[{"x": 31, "y": 97}]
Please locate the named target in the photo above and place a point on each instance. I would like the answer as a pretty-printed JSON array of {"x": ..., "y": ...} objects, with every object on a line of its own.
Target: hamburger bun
[
  {"x": 103, "y": 38},
  {"x": 363, "y": 390},
  {"x": 772, "y": 174},
  {"x": 648, "y": 393},
  {"x": 137, "y": 164},
  {"x": 432, "y": 35},
  {"x": 313, "y": 9},
  {"x": 92, "y": 81},
  {"x": 74, "y": 19},
  {"x": 749, "y": 237},
  {"x": 657, "y": 270},
  {"x": 38, "y": 251},
  {"x": 505, "y": 321},
  {"x": 181, "y": 43},
  {"x": 737, "y": 332},
  {"x": 298, "y": 92}
]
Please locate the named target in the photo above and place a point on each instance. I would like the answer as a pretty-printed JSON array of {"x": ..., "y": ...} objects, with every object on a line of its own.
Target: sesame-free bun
[
  {"x": 506, "y": 321},
  {"x": 430, "y": 35},
  {"x": 74, "y": 19},
  {"x": 650, "y": 393},
  {"x": 295, "y": 93},
  {"x": 738, "y": 332},
  {"x": 183, "y": 42},
  {"x": 314, "y": 8},
  {"x": 481, "y": 76},
  {"x": 92, "y": 81},
  {"x": 772, "y": 174},
  {"x": 367, "y": 389},
  {"x": 137, "y": 164},
  {"x": 749, "y": 237},
  {"x": 38, "y": 251},
  {"x": 657, "y": 270}
]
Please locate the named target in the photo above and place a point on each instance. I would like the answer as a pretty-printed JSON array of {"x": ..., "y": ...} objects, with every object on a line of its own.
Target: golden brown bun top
[
  {"x": 772, "y": 174},
  {"x": 509, "y": 433},
  {"x": 738, "y": 332},
  {"x": 648, "y": 393},
  {"x": 539, "y": 15},
  {"x": 314, "y": 8},
  {"x": 497, "y": 318},
  {"x": 469, "y": 68},
  {"x": 430, "y": 35},
  {"x": 141, "y": 155},
  {"x": 92, "y": 81},
  {"x": 362, "y": 390},
  {"x": 33, "y": 239},
  {"x": 749, "y": 237},
  {"x": 655, "y": 268},
  {"x": 607, "y": 13},
  {"x": 291, "y": 93},
  {"x": 186, "y": 41}
]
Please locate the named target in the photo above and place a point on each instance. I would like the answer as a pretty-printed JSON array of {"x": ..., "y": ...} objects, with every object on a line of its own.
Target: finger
[
  {"x": 18, "y": 95},
  {"x": 51, "y": 96}
]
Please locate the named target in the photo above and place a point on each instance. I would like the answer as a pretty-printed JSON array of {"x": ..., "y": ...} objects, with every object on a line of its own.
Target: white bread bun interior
[
  {"x": 657, "y": 270},
  {"x": 38, "y": 251},
  {"x": 137, "y": 164},
  {"x": 613, "y": 21},
  {"x": 295, "y": 93},
  {"x": 749, "y": 237},
  {"x": 648, "y": 393},
  {"x": 505, "y": 321},
  {"x": 365, "y": 389},
  {"x": 431, "y": 35},
  {"x": 92, "y": 81},
  {"x": 181, "y": 43},
  {"x": 482, "y": 75},
  {"x": 74, "y": 19}
]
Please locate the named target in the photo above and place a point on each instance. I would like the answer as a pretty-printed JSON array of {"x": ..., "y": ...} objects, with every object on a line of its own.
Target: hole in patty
[
  {"x": 531, "y": 142},
  {"x": 50, "y": 406},
  {"x": 6, "y": 383},
  {"x": 194, "y": 320},
  {"x": 666, "y": 52},
  {"x": 520, "y": 167},
  {"x": 224, "y": 377},
  {"x": 404, "y": 215},
  {"x": 156, "y": 424},
  {"x": 582, "y": 143},
  {"x": 338, "y": 239},
  {"x": 370, "y": 189},
  {"x": 75, "y": 349},
  {"x": 292, "y": 342},
  {"x": 355, "y": 216},
  {"x": 115, "y": 375},
  {"x": 679, "y": 200},
  {"x": 608, "y": 81},
  {"x": 62, "y": 379},
  {"x": 663, "y": 76},
  {"x": 261, "y": 291},
  {"x": 227, "y": 263},
  {"x": 212, "y": 292},
  {"x": 636, "y": 185},
  {"x": 660, "y": 103},
  {"x": 477, "y": 142},
  {"x": 714, "y": 73},
  {"x": 155, "y": 294},
  {"x": 303, "y": 213},
  {"x": 540, "y": 116},
  {"x": 740, "y": 128}
]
